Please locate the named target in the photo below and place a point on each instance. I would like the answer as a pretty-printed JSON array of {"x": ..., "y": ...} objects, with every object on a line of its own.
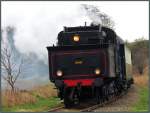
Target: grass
[
  {"x": 40, "y": 98},
  {"x": 18, "y": 97},
  {"x": 42, "y": 104},
  {"x": 142, "y": 104},
  {"x": 141, "y": 81}
]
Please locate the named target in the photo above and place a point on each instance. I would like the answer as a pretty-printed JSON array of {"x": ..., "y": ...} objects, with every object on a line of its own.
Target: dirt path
[{"x": 123, "y": 104}]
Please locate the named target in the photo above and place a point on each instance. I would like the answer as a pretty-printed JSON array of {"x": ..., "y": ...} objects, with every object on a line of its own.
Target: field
[
  {"x": 141, "y": 81},
  {"x": 38, "y": 99},
  {"x": 43, "y": 98}
]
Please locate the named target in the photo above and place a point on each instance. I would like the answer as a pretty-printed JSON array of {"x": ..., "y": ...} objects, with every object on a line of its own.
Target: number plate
[{"x": 78, "y": 62}]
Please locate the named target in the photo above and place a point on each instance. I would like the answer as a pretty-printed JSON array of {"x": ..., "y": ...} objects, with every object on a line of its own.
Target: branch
[
  {"x": 19, "y": 71},
  {"x": 8, "y": 81}
]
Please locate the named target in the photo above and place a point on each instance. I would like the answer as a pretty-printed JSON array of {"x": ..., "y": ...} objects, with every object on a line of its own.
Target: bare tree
[
  {"x": 11, "y": 62},
  {"x": 11, "y": 68}
]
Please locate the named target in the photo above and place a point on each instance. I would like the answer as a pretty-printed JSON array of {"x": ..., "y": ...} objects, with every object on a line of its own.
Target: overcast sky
[{"x": 38, "y": 23}]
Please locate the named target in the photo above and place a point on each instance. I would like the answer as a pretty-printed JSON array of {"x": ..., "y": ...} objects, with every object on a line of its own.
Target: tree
[
  {"x": 140, "y": 60},
  {"x": 139, "y": 50},
  {"x": 11, "y": 63},
  {"x": 11, "y": 69}
]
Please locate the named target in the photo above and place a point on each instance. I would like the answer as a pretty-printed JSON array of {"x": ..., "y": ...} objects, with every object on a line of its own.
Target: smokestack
[{"x": 85, "y": 23}]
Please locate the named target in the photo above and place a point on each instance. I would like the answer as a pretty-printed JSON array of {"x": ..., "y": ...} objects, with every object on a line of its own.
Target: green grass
[
  {"x": 142, "y": 104},
  {"x": 43, "y": 104}
]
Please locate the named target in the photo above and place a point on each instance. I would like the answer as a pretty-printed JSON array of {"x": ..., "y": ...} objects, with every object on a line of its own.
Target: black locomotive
[{"x": 89, "y": 62}]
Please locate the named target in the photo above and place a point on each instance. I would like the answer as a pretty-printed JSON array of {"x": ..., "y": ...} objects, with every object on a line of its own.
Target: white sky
[
  {"x": 38, "y": 23},
  {"x": 131, "y": 18}
]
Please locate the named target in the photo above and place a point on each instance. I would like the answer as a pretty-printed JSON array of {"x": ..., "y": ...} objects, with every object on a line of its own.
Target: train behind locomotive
[{"x": 89, "y": 62}]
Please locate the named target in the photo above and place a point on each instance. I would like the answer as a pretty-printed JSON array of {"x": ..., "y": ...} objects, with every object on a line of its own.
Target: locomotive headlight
[
  {"x": 97, "y": 71},
  {"x": 76, "y": 38},
  {"x": 59, "y": 73}
]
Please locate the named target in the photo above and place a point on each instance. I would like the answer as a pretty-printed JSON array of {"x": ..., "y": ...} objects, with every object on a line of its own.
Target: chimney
[{"x": 85, "y": 23}]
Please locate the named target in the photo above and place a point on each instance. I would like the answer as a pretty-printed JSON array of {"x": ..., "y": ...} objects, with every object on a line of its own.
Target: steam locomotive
[{"x": 89, "y": 62}]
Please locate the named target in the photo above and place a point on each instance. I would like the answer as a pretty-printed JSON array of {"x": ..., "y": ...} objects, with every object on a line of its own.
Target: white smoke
[
  {"x": 93, "y": 13},
  {"x": 37, "y": 25},
  {"x": 98, "y": 17},
  {"x": 4, "y": 35}
]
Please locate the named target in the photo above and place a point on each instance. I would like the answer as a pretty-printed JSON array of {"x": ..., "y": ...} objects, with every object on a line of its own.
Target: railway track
[
  {"x": 89, "y": 109},
  {"x": 86, "y": 107},
  {"x": 56, "y": 109}
]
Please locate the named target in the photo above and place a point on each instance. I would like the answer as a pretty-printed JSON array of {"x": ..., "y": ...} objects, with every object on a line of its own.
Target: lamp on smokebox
[{"x": 76, "y": 38}]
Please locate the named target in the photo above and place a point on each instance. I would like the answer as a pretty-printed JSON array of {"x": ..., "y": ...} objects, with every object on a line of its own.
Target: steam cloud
[{"x": 97, "y": 16}]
